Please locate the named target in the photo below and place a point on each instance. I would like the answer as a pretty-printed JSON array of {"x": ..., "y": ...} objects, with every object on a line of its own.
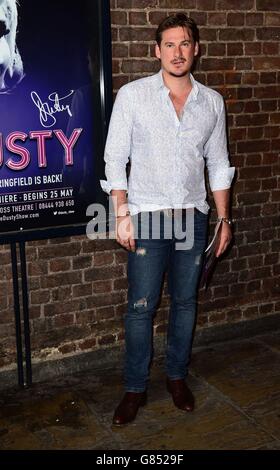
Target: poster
[{"x": 51, "y": 117}]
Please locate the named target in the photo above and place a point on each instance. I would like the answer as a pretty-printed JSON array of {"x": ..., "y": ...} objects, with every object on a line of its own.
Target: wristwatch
[
  {"x": 123, "y": 215},
  {"x": 225, "y": 219}
]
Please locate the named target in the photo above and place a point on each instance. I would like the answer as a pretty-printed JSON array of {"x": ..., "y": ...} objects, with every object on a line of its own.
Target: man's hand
[
  {"x": 125, "y": 232},
  {"x": 226, "y": 236}
]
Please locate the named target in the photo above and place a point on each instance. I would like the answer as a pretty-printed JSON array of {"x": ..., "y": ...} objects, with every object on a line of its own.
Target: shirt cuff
[
  {"x": 107, "y": 187},
  {"x": 222, "y": 178}
]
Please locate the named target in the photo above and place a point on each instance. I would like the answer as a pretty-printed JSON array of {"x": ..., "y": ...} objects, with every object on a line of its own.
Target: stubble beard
[{"x": 179, "y": 74}]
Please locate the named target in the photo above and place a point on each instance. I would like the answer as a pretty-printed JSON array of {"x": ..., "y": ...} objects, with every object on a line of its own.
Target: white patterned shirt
[{"x": 167, "y": 154}]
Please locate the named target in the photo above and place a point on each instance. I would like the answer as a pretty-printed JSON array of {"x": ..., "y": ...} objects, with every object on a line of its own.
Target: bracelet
[
  {"x": 225, "y": 219},
  {"x": 124, "y": 215}
]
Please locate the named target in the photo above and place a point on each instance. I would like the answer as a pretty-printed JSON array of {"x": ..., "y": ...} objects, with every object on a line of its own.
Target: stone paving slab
[
  {"x": 62, "y": 422},
  {"x": 237, "y": 390}
]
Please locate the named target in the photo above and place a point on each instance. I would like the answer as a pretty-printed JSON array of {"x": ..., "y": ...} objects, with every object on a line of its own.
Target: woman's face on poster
[{"x": 10, "y": 61}]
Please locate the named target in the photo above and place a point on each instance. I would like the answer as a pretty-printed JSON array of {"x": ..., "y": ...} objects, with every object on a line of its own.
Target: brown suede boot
[
  {"x": 181, "y": 394},
  {"x": 128, "y": 407}
]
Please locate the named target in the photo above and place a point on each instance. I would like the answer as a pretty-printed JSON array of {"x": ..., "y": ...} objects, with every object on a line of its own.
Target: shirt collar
[{"x": 161, "y": 85}]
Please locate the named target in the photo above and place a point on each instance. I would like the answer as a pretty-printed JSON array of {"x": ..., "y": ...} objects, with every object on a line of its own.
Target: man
[{"x": 167, "y": 125}]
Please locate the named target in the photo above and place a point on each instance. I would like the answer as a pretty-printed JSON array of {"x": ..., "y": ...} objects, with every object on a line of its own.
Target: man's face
[{"x": 177, "y": 51}]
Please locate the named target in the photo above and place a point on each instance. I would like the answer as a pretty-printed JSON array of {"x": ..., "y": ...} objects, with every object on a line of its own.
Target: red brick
[
  {"x": 137, "y": 34},
  {"x": 235, "y": 49},
  {"x": 244, "y": 63},
  {"x": 250, "y": 78},
  {"x": 272, "y": 131},
  {"x": 253, "y": 198},
  {"x": 217, "y": 18},
  {"x": 53, "y": 251},
  {"x": 267, "y": 92},
  {"x": 244, "y": 93},
  {"x": 67, "y": 348},
  {"x": 208, "y": 34},
  {"x": 252, "y": 107},
  {"x": 135, "y": 66},
  {"x": 251, "y": 312},
  {"x": 216, "y": 49},
  {"x": 61, "y": 279},
  {"x": 103, "y": 313},
  {"x": 254, "y": 19},
  {"x": 253, "y": 286},
  {"x": 270, "y": 48},
  {"x": 118, "y": 17},
  {"x": 60, "y": 264},
  {"x": 120, "y": 284},
  {"x": 61, "y": 293},
  {"x": 217, "y": 64},
  {"x": 155, "y": 17},
  {"x": 267, "y": 5},
  {"x": 269, "y": 105},
  {"x": 63, "y": 320},
  {"x": 40, "y": 297},
  {"x": 88, "y": 343},
  {"x": 137, "y": 18},
  {"x": 253, "y": 159},
  {"x": 82, "y": 261},
  {"x": 268, "y": 77},
  {"x": 119, "y": 50},
  {"x": 235, "y": 19},
  {"x": 215, "y": 79},
  {"x": 129, "y": 4},
  {"x": 199, "y": 17},
  {"x": 270, "y": 158},
  {"x": 37, "y": 268},
  {"x": 255, "y": 132},
  {"x": 104, "y": 299},
  {"x": 114, "y": 33},
  {"x": 272, "y": 19},
  {"x": 242, "y": 5},
  {"x": 268, "y": 34},
  {"x": 233, "y": 78},
  {"x": 177, "y": 4},
  {"x": 82, "y": 290},
  {"x": 237, "y": 134},
  {"x": 252, "y": 120},
  {"x": 103, "y": 259},
  {"x": 107, "y": 339},
  {"x": 256, "y": 172},
  {"x": 253, "y": 48},
  {"x": 275, "y": 119},
  {"x": 206, "y": 5},
  {"x": 234, "y": 34},
  {"x": 100, "y": 287},
  {"x": 266, "y": 63},
  {"x": 119, "y": 81}
]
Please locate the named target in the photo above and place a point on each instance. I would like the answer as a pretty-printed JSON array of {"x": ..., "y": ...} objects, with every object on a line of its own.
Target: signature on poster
[{"x": 48, "y": 108}]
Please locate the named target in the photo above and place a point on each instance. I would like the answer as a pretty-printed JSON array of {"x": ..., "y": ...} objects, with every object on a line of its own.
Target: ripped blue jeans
[{"x": 146, "y": 268}]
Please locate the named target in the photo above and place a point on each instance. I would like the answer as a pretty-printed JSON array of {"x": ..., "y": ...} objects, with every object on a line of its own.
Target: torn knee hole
[
  {"x": 198, "y": 259},
  {"x": 141, "y": 303},
  {"x": 141, "y": 251}
]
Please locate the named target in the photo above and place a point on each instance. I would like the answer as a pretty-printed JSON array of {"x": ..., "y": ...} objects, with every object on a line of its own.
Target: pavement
[{"x": 237, "y": 390}]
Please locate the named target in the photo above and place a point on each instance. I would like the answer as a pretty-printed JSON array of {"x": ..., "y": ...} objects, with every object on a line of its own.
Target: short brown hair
[{"x": 173, "y": 21}]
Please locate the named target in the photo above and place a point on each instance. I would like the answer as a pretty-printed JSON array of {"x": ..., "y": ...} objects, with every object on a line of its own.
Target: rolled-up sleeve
[
  {"x": 216, "y": 153},
  {"x": 118, "y": 143}
]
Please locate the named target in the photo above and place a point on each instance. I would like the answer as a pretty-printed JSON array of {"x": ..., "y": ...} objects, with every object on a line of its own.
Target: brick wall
[{"x": 78, "y": 286}]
